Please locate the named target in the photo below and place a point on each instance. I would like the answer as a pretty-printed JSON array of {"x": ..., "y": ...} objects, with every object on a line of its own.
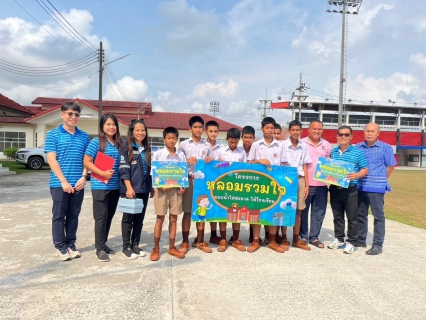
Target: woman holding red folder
[
  {"x": 135, "y": 182},
  {"x": 105, "y": 193}
]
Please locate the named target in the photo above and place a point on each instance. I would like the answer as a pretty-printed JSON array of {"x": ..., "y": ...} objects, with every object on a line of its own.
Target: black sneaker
[
  {"x": 139, "y": 252},
  {"x": 374, "y": 251},
  {"x": 129, "y": 253},
  {"x": 109, "y": 250},
  {"x": 361, "y": 245},
  {"x": 102, "y": 255}
]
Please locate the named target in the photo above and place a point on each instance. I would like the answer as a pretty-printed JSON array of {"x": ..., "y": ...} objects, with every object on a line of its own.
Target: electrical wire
[
  {"x": 115, "y": 81},
  {"x": 87, "y": 41},
  {"x": 44, "y": 75},
  {"x": 57, "y": 87},
  {"x": 73, "y": 36},
  {"x": 85, "y": 62}
]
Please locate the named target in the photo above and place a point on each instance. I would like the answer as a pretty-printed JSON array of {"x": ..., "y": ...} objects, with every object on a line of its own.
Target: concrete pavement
[{"x": 320, "y": 284}]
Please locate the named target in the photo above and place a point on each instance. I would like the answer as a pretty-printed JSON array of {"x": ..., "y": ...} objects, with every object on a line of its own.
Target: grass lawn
[
  {"x": 407, "y": 201},
  {"x": 20, "y": 168}
]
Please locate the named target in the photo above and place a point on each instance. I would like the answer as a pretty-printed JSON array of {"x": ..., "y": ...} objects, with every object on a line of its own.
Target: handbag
[{"x": 132, "y": 206}]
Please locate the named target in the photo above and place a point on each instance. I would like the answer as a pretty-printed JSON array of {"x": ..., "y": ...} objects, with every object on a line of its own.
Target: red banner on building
[{"x": 280, "y": 105}]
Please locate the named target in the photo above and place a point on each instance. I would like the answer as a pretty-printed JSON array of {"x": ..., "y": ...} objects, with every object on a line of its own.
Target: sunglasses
[
  {"x": 344, "y": 134},
  {"x": 70, "y": 114}
]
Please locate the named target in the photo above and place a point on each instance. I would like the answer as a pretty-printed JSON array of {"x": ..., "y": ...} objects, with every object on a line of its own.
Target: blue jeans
[
  {"x": 376, "y": 201},
  {"x": 317, "y": 200},
  {"x": 65, "y": 211}
]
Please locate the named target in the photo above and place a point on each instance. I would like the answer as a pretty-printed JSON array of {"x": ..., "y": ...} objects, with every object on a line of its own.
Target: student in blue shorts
[
  {"x": 105, "y": 196},
  {"x": 65, "y": 148}
]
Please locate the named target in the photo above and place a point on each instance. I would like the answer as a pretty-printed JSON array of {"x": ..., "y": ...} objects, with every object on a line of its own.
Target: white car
[{"x": 33, "y": 158}]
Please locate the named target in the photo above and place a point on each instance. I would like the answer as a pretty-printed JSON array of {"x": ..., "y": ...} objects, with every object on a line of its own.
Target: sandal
[{"x": 317, "y": 244}]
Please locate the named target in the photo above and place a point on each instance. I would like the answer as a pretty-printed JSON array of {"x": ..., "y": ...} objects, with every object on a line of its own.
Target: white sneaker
[
  {"x": 63, "y": 255},
  {"x": 139, "y": 252},
  {"x": 349, "y": 249},
  {"x": 73, "y": 252},
  {"x": 335, "y": 244}
]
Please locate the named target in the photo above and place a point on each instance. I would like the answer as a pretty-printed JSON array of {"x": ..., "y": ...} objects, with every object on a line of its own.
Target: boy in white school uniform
[
  {"x": 296, "y": 154},
  {"x": 232, "y": 153},
  {"x": 267, "y": 151}
]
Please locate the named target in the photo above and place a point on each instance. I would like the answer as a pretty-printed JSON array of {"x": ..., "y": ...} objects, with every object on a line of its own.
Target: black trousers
[
  {"x": 345, "y": 201},
  {"x": 104, "y": 206},
  {"x": 131, "y": 224}
]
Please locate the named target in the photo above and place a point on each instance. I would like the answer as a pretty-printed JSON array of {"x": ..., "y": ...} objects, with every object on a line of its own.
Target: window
[
  {"x": 308, "y": 117},
  {"x": 329, "y": 118},
  {"x": 156, "y": 143},
  {"x": 12, "y": 140},
  {"x": 410, "y": 122},
  {"x": 385, "y": 121},
  {"x": 359, "y": 119}
]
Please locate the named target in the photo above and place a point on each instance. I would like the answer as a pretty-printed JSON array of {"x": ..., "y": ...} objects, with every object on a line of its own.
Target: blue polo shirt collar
[{"x": 61, "y": 127}]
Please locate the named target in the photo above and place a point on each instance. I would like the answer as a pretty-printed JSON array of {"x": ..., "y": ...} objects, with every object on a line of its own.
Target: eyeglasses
[
  {"x": 71, "y": 114},
  {"x": 344, "y": 134}
]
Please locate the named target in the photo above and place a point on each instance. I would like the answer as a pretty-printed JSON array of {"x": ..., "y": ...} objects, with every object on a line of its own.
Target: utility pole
[
  {"x": 101, "y": 69},
  {"x": 101, "y": 72},
  {"x": 265, "y": 102},
  {"x": 300, "y": 96}
]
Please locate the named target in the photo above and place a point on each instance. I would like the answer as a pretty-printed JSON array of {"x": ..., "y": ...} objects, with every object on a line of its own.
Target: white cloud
[
  {"x": 418, "y": 59},
  {"x": 134, "y": 90},
  {"x": 222, "y": 88},
  {"x": 190, "y": 30}
]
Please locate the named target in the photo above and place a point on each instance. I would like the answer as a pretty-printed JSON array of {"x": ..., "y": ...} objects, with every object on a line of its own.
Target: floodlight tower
[
  {"x": 214, "y": 107},
  {"x": 344, "y": 7}
]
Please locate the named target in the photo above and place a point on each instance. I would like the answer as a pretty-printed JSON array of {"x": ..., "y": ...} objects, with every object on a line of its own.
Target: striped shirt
[
  {"x": 352, "y": 155},
  {"x": 379, "y": 157},
  {"x": 198, "y": 150},
  {"x": 112, "y": 151},
  {"x": 260, "y": 151},
  {"x": 226, "y": 154},
  {"x": 69, "y": 149}
]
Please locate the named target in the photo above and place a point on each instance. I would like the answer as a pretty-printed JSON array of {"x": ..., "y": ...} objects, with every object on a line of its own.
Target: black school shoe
[
  {"x": 374, "y": 251},
  {"x": 109, "y": 250},
  {"x": 129, "y": 253},
  {"x": 102, "y": 255},
  {"x": 361, "y": 245}
]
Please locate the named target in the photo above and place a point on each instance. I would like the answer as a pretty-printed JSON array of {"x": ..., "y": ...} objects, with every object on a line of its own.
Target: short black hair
[
  {"x": 295, "y": 123},
  {"x": 170, "y": 130},
  {"x": 277, "y": 127},
  {"x": 268, "y": 120},
  {"x": 233, "y": 133},
  {"x": 248, "y": 130},
  {"x": 316, "y": 121},
  {"x": 344, "y": 127},
  {"x": 71, "y": 105},
  {"x": 195, "y": 119},
  {"x": 212, "y": 123}
]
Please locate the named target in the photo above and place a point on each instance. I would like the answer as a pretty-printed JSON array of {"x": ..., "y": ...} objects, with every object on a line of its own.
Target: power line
[
  {"x": 61, "y": 24},
  {"x": 85, "y": 62},
  {"x": 57, "y": 87},
  {"x": 115, "y": 81},
  {"x": 72, "y": 26},
  {"x": 45, "y": 75},
  {"x": 53, "y": 67}
]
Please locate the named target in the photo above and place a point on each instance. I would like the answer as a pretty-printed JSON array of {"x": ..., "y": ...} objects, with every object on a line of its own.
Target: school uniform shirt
[
  {"x": 260, "y": 150},
  {"x": 69, "y": 149},
  {"x": 296, "y": 157},
  {"x": 198, "y": 150},
  {"x": 112, "y": 151},
  {"x": 236, "y": 155},
  {"x": 322, "y": 149},
  {"x": 164, "y": 155},
  {"x": 215, "y": 150}
]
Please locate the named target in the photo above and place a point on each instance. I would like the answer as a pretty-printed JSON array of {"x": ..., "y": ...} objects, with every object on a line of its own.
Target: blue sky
[{"x": 183, "y": 54}]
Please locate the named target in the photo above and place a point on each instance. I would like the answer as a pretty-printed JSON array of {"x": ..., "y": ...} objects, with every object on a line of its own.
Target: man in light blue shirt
[{"x": 372, "y": 187}]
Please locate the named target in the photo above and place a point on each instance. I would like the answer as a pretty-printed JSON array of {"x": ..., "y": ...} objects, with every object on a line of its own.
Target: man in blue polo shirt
[
  {"x": 372, "y": 188},
  {"x": 346, "y": 199},
  {"x": 65, "y": 148}
]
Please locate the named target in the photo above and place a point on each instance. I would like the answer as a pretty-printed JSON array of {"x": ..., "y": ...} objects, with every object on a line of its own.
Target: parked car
[{"x": 33, "y": 158}]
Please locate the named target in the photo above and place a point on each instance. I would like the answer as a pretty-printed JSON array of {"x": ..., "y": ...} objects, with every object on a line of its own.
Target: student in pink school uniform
[
  {"x": 233, "y": 153},
  {"x": 194, "y": 148},
  {"x": 296, "y": 154},
  {"x": 212, "y": 131},
  {"x": 267, "y": 151}
]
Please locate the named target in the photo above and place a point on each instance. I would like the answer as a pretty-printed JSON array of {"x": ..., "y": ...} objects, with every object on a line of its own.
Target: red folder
[{"x": 104, "y": 163}]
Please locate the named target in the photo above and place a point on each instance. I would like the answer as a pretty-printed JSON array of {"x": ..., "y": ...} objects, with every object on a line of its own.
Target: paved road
[{"x": 321, "y": 284}]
